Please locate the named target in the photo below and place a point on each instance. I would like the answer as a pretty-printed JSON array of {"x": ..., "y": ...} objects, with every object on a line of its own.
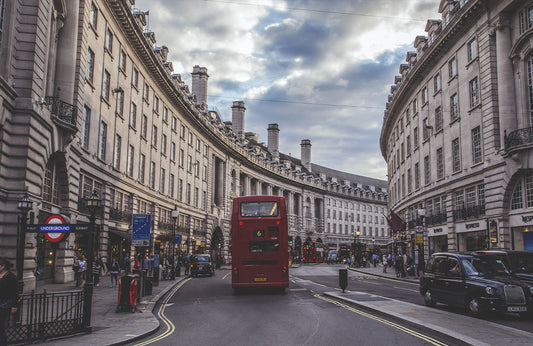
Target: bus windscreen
[{"x": 259, "y": 209}]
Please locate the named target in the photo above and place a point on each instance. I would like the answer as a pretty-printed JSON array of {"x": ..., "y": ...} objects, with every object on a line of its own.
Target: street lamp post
[
  {"x": 24, "y": 205},
  {"x": 175, "y": 215},
  {"x": 93, "y": 204},
  {"x": 356, "y": 247}
]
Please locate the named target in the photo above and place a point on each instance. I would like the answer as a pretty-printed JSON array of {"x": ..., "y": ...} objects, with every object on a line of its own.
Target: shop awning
[{"x": 125, "y": 235}]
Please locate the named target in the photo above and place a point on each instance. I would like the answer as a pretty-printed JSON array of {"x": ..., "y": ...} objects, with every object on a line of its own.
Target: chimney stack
[
  {"x": 273, "y": 140},
  {"x": 199, "y": 83},
  {"x": 306, "y": 153},
  {"x": 237, "y": 118}
]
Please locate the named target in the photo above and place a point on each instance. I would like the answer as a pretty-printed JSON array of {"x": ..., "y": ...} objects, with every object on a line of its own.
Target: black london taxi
[
  {"x": 202, "y": 264},
  {"x": 520, "y": 263},
  {"x": 479, "y": 283}
]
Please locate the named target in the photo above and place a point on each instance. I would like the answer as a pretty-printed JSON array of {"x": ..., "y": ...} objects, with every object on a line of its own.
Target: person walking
[
  {"x": 127, "y": 264},
  {"x": 82, "y": 264},
  {"x": 96, "y": 270},
  {"x": 384, "y": 263},
  {"x": 114, "y": 270},
  {"x": 8, "y": 297}
]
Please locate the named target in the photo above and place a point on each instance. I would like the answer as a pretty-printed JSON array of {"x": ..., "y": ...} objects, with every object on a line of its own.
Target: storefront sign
[
  {"x": 470, "y": 227},
  {"x": 443, "y": 230}
]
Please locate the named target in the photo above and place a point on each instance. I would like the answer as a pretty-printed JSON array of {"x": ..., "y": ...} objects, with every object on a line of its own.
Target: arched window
[{"x": 51, "y": 183}]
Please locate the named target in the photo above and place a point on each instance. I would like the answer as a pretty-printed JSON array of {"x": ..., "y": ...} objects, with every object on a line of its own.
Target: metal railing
[
  {"x": 65, "y": 112},
  {"x": 46, "y": 315},
  {"x": 120, "y": 215},
  {"x": 518, "y": 138},
  {"x": 467, "y": 212}
]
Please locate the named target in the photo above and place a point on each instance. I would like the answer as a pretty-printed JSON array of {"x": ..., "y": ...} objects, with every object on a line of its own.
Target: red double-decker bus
[{"x": 259, "y": 250}]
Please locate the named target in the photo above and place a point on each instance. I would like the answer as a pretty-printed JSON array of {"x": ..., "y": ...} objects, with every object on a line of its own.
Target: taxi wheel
[
  {"x": 428, "y": 299},
  {"x": 473, "y": 307}
]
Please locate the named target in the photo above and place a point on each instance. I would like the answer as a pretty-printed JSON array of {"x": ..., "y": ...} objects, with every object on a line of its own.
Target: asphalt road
[
  {"x": 205, "y": 311},
  {"x": 316, "y": 276}
]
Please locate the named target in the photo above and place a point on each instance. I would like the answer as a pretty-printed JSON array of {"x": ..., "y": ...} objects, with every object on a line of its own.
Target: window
[
  {"x": 122, "y": 60},
  {"x": 182, "y": 132},
  {"x": 146, "y": 92},
  {"x": 476, "y": 145},
  {"x": 523, "y": 191},
  {"x": 93, "y": 20},
  {"x": 456, "y": 155},
  {"x": 517, "y": 199},
  {"x": 103, "y": 141},
  {"x": 118, "y": 145},
  {"x": 188, "y": 194},
  {"x": 472, "y": 49},
  {"x": 427, "y": 170},
  {"x": 173, "y": 151},
  {"x": 162, "y": 181},
  {"x": 109, "y": 41},
  {"x": 156, "y": 104},
  {"x": 180, "y": 190},
  {"x": 526, "y": 18},
  {"x": 181, "y": 158},
  {"x": 152, "y": 174},
  {"x": 197, "y": 169},
  {"x": 436, "y": 82},
  {"x": 454, "y": 112},
  {"x": 135, "y": 78},
  {"x": 165, "y": 114},
  {"x": 415, "y": 107},
  {"x": 144, "y": 126},
  {"x": 106, "y": 87},
  {"x": 415, "y": 137},
  {"x": 417, "y": 175},
  {"x": 189, "y": 163},
  {"x": 409, "y": 181},
  {"x": 154, "y": 136},
  {"x": 190, "y": 139},
  {"x": 90, "y": 66},
  {"x": 474, "y": 92},
  {"x": 530, "y": 88},
  {"x": 425, "y": 129},
  {"x": 440, "y": 164},
  {"x": 131, "y": 159},
  {"x": 529, "y": 190},
  {"x": 51, "y": 182},
  {"x": 171, "y": 185},
  {"x": 85, "y": 127},
  {"x": 408, "y": 147},
  {"x": 164, "y": 145},
  {"x": 133, "y": 115},
  {"x": 174, "y": 125},
  {"x": 425, "y": 98},
  {"x": 438, "y": 119},
  {"x": 120, "y": 102},
  {"x": 452, "y": 67},
  {"x": 142, "y": 168}
]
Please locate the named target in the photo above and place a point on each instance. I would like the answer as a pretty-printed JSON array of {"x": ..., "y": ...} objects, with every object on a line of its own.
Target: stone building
[
  {"x": 90, "y": 104},
  {"x": 457, "y": 129}
]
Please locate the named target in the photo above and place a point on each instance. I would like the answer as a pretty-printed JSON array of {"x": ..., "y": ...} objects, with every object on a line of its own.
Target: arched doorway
[{"x": 217, "y": 246}]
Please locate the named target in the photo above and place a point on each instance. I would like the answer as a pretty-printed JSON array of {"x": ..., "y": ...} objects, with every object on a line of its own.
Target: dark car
[
  {"x": 202, "y": 264},
  {"x": 479, "y": 283},
  {"x": 520, "y": 263}
]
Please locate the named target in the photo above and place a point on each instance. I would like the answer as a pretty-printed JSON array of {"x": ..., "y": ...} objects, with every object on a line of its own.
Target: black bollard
[{"x": 343, "y": 279}]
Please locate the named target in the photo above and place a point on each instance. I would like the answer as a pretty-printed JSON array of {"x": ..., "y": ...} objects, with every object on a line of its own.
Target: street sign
[
  {"x": 419, "y": 229},
  {"x": 140, "y": 230},
  {"x": 54, "y": 228},
  {"x": 178, "y": 239}
]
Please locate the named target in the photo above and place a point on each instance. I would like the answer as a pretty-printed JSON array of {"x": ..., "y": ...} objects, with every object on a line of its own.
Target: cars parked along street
[{"x": 479, "y": 283}]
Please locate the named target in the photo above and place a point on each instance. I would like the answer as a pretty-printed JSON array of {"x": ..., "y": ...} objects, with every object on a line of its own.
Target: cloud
[{"x": 321, "y": 70}]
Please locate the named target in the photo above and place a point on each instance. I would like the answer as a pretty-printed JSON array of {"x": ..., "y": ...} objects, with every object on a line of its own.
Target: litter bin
[
  {"x": 128, "y": 293},
  {"x": 148, "y": 285},
  {"x": 343, "y": 278}
]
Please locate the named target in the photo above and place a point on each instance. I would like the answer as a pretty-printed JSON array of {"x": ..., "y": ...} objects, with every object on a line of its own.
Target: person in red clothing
[{"x": 8, "y": 297}]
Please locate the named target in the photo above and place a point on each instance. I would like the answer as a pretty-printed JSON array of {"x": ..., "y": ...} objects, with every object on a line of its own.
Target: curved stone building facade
[
  {"x": 90, "y": 103},
  {"x": 457, "y": 129}
]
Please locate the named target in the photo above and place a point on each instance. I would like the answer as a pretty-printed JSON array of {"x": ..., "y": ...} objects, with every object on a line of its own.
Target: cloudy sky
[{"x": 321, "y": 69}]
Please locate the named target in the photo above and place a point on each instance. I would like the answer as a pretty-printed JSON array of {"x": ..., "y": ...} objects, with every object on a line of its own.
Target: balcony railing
[
  {"x": 518, "y": 138},
  {"x": 65, "y": 113},
  {"x": 436, "y": 219},
  {"x": 120, "y": 215},
  {"x": 464, "y": 213}
]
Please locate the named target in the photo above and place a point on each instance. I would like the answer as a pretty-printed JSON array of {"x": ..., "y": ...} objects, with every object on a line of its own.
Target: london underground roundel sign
[{"x": 55, "y": 223}]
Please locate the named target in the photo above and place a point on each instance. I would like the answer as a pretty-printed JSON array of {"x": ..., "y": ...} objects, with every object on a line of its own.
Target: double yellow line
[
  {"x": 161, "y": 314},
  {"x": 384, "y": 321}
]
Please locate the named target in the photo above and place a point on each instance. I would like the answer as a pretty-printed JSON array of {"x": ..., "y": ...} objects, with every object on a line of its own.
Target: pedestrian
[
  {"x": 384, "y": 263},
  {"x": 8, "y": 297},
  {"x": 76, "y": 268},
  {"x": 97, "y": 270},
  {"x": 114, "y": 270},
  {"x": 186, "y": 264},
  {"x": 127, "y": 264},
  {"x": 82, "y": 263}
]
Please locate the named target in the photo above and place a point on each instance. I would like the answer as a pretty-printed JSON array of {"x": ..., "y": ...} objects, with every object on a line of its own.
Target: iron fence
[{"x": 46, "y": 315}]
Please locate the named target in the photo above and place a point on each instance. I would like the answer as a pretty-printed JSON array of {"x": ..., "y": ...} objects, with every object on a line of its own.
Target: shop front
[
  {"x": 438, "y": 239},
  {"x": 472, "y": 235},
  {"x": 521, "y": 232}
]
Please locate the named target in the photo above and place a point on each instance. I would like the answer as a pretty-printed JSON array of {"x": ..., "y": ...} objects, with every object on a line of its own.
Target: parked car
[
  {"x": 202, "y": 264},
  {"x": 479, "y": 283},
  {"x": 520, "y": 263}
]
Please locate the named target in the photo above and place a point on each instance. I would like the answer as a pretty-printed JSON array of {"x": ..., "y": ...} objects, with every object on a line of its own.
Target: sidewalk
[
  {"x": 378, "y": 271},
  {"x": 108, "y": 326}
]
